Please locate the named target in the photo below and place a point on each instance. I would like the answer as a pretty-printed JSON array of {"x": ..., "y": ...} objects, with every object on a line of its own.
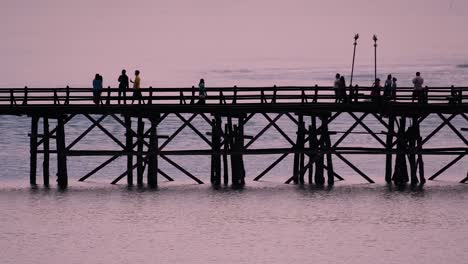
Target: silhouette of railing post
[
  {"x": 33, "y": 149},
  {"x": 25, "y": 99},
  {"x": 316, "y": 93},
  {"x": 108, "y": 101},
  {"x": 273, "y": 101},
  {"x": 234, "y": 100},
  {"x": 192, "y": 100},
  {"x": 150, "y": 99},
  {"x": 56, "y": 99},
  {"x": 67, "y": 94}
]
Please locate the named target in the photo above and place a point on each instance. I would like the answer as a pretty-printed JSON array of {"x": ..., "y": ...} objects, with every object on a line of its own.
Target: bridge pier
[
  {"x": 153, "y": 154},
  {"x": 62, "y": 174},
  {"x": 389, "y": 147},
  {"x": 216, "y": 132},
  {"x": 140, "y": 140},
  {"x": 46, "y": 147},
  {"x": 129, "y": 148},
  {"x": 33, "y": 149}
]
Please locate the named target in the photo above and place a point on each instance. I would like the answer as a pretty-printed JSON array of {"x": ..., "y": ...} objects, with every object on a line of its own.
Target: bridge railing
[{"x": 225, "y": 95}]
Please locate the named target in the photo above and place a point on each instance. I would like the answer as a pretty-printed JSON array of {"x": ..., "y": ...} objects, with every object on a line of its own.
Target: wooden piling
[
  {"x": 227, "y": 136},
  {"x": 388, "y": 147},
  {"x": 319, "y": 164},
  {"x": 153, "y": 157},
  {"x": 216, "y": 147},
  {"x": 62, "y": 177},
  {"x": 46, "y": 142},
  {"x": 129, "y": 148},
  {"x": 140, "y": 138},
  {"x": 400, "y": 173},
  {"x": 327, "y": 146},
  {"x": 33, "y": 150}
]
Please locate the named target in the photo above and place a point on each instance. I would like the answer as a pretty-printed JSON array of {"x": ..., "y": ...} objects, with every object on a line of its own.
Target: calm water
[{"x": 267, "y": 222}]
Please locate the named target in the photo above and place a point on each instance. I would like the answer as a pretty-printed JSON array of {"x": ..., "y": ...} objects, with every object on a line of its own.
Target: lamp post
[
  {"x": 356, "y": 37},
  {"x": 375, "y": 57}
]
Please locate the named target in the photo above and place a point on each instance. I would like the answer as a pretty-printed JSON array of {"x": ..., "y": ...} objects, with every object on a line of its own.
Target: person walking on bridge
[
  {"x": 123, "y": 86},
  {"x": 136, "y": 87}
]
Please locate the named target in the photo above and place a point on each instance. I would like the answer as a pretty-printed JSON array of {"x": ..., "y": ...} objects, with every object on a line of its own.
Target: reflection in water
[{"x": 264, "y": 222}]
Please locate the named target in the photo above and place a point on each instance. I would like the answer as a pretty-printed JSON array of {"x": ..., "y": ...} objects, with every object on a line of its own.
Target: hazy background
[{"x": 175, "y": 42}]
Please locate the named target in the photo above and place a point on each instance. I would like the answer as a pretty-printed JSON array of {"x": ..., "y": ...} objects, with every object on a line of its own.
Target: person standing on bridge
[
  {"x": 136, "y": 87},
  {"x": 201, "y": 92},
  {"x": 418, "y": 92},
  {"x": 97, "y": 88},
  {"x": 375, "y": 91},
  {"x": 123, "y": 86},
  {"x": 342, "y": 90},
  {"x": 394, "y": 87},
  {"x": 388, "y": 88},
  {"x": 336, "y": 87}
]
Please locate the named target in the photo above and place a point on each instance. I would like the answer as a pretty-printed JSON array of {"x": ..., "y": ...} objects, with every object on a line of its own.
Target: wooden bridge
[{"x": 227, "y": 112}]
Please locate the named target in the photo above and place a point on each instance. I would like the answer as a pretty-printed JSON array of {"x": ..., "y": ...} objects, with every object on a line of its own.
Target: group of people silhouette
[
  {"x": 124, "y": 85},
  {"x": 389, "y": 89},
  {"x": 339, "y": 86}
]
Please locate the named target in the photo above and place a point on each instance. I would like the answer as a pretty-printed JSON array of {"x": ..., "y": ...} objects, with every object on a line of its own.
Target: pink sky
[{"x": 55, "y": 42}]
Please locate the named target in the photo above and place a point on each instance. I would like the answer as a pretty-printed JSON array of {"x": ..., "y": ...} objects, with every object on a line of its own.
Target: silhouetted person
[
  {"x": 136, "y": 87},
  {"x": 418, "y": 92},
  {"x": 388, "y": 88},
  {"x": 123, "y": 86},
  {"x": 336, "y": 87},
  {"x": 375, "y": 91},
  {"x": 97, "y": 88},
  {"x": 394, "y": 88},
  {"x": 201, "y": 91},
  {"x": 342, "y": 90}
]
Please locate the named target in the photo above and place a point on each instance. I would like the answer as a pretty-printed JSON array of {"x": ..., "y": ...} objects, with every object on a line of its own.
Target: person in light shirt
[{"x": 136, "y": 87}]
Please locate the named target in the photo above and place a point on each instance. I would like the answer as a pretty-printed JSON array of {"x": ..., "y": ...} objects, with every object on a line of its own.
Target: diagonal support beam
[
  {"x": 184, "y": 171},
  {"x": 368, "y": 129},
  {"x": 272, "y": 165},
  {"x": 93, "y": 125},
  {"x": 349, "y": 131},
  {"x": 104, "y": 164},
  {"x": 437, "y": 129},
  {"x": 453, "y": 128},
  {"x": 54, "y": 131},
  {"x": 446, "y": 167},
  {"x": 279, "y": 129},
  {"x": 176, "y": 132},
  {"x": 194, "y": 129},
  {"x": 263, "y": 131},
  {"x": 351, "y": 165},
  {"x": 105, "y": 131}
]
